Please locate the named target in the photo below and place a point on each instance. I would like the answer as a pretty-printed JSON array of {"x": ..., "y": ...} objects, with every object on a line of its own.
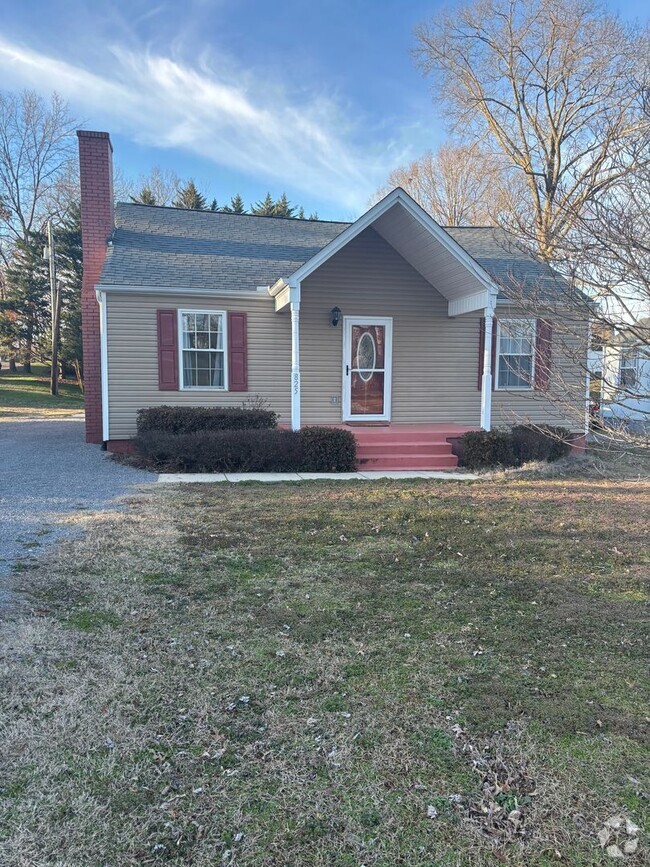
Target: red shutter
[
  {"x": 543, "y": 344},
  {"x": 167, "y": 350},
  {"x": 237, "y": 352},
  {"x": 481, "y": 352}
]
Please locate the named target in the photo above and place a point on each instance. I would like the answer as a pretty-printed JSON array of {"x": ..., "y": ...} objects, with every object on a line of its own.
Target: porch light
[{"x": 335, "y": 316}]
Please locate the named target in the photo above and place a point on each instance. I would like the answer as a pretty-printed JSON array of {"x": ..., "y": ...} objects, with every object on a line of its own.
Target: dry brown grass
[{"x": 295, "y": 674}]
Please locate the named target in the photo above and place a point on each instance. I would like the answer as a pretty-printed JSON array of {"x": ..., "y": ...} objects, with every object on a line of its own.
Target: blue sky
[{"x": 318, "y": 98}]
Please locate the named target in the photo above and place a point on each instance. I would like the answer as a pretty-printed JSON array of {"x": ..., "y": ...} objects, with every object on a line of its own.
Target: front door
[{"x": 367, "y": 368}]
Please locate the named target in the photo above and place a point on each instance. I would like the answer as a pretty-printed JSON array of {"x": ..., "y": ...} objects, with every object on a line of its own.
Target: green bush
[
  {"x": 512, "y": 448},
  {"x": 190, "y": 419},
  {"x": 480, "y": 448},
  {"x": 328, "y": 450},
  {"x": 261, "y": 450},
  {"x": 540, "y": 443}
]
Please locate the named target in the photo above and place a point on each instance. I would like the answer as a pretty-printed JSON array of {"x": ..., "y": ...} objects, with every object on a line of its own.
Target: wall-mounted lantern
[{"x": 335, "y": 316}]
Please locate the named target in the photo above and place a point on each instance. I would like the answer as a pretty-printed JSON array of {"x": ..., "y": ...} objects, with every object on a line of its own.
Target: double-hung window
[
  {"x": 515, "y": 353},
  {"x": 203, "y": 349},
  {"x": 629, "y": 369}
]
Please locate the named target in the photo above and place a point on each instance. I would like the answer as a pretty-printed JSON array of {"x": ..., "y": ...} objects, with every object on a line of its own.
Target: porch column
[
  {"x": 294, "y": 303},
  {"x": 486, "y": 382}
]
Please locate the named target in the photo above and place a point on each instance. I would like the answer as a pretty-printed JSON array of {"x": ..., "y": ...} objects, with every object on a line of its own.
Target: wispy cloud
[{"x": 214, "y": 110}]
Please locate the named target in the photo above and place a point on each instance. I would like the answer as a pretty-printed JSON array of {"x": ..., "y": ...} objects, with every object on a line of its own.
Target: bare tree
[
  {"x": 36, "y": 151},
  {"x": 459, "y": 185},
  {"x": 551, "y": 86},
  {"x": 159, "y": 187}
]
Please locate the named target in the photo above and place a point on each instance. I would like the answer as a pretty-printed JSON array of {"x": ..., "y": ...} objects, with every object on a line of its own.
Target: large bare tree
[
  {"x": 36, "y": 155},
  {"x": 459, "y": 185},
  {"x": 552, "y": 86}
]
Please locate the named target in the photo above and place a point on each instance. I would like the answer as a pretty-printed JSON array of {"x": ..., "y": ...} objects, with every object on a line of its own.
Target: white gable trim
[{"x": 398, "y": 195}]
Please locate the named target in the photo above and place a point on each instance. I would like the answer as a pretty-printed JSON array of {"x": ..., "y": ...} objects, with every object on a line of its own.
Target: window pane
[
  {"x": 515, "y": 371},
  {"x": 203, "y": 369}
]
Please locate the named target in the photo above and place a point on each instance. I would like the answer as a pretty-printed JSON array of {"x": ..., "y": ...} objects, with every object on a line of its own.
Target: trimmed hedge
[
  {"x": 328, "y": 450},
  {"x": 512, "y": 448},
  {"x": 189, "y": 419},
  {"x": 262, "y": 450}
]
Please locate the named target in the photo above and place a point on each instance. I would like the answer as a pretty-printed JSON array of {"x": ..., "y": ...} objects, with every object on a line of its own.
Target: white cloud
[{"x": 216, "y": 111}]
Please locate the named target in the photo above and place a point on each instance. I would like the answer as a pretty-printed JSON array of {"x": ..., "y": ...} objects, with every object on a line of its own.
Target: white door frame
[{"x": 348, "y": 322}]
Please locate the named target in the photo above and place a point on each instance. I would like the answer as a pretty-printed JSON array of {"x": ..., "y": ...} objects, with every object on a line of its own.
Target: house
[
  {"x": 393, "y": 325},
  {"x": 625, "y": 380}
]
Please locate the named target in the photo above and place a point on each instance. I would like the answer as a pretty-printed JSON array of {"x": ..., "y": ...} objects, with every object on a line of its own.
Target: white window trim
[
  {"x": 209, "y": 388},
  {"x": 530, "y": 387}
]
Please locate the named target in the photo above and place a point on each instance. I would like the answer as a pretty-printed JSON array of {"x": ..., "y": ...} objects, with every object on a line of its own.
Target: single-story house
[{"x": 392, "y": 325}]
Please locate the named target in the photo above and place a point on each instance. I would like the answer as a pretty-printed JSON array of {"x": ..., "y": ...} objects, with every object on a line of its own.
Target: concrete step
[
  {"x": 392, "y": 461},
  {"x": 423, "y": 447}
]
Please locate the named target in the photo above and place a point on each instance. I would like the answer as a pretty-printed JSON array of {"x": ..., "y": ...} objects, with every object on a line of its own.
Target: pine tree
[
  {"x": 189, "y": 197},
  {"x": 237, "y": 205},
  {"x": 144, "y": 197},
  {"x": 283, "y": 208},
  {"x": 265, "y": 208},
  {"x": 301, "y": 213},
  {"x": 214, "y": 206},
  {"x": 25, "y": 308},
  {"x": 67, "y": 239},
  {"x": 313, "y": 215}
]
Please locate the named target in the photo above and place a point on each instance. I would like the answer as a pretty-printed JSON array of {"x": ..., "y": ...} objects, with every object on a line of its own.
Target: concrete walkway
[{"x": 367, "y": 476}]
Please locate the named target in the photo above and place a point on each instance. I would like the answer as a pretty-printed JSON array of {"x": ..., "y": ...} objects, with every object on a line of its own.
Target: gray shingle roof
[{"x": 167, "y": 247}]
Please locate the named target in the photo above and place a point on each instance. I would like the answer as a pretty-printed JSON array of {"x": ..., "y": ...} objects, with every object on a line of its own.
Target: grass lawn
[
  {"x": 335, "y": 674},
  {"x": 27, "y": 395}
]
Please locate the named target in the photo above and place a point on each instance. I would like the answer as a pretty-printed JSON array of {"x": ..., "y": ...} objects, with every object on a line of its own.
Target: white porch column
[
  {"x": 486, "y": 382},
  {"x": 294, "y": 302}
]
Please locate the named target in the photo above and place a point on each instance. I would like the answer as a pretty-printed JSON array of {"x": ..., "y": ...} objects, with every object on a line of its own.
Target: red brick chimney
[{"x": 96, "y": 180}]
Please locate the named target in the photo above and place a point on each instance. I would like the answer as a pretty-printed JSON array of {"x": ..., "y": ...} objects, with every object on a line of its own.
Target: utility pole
[{"x": 55, "y": 295}]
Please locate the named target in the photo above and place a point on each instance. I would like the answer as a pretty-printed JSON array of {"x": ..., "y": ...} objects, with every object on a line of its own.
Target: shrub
[
  {"x": 480, "y": 448},
  {"x": 216, "y": 451},
  {"x": 539, "y": 443},
  {"x": 328, "y": 450},
  {"x": 262, "y": 450},
  {"x": 514, "y": 447},
  {"x": 189, "y": 419}
]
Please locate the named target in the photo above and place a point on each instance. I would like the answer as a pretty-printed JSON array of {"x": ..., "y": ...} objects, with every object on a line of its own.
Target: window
[
  {"x": 515, "y": 353},
  {"x": 628, "y": 371},
  {"x": 202, "y": 347}
]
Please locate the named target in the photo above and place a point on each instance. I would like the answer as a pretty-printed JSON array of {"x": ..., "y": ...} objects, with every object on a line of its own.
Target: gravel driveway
[{"x": 48, "y": 471}]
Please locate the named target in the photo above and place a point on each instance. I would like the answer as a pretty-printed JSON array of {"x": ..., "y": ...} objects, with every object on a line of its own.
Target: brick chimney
[{"x": 96, "y": 181}]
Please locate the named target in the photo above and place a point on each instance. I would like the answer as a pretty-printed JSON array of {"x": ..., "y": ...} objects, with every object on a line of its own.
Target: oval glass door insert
[{"x": 366, "y": 356}]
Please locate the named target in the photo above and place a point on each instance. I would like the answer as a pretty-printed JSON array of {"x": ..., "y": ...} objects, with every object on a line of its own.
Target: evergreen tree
[
  {"x": 67, "y": 240},
  {"x": 301, "y": 213},
  {"x": 265, "y": 208},
  {"x": 283, "y": 208},
  {"x": 214, "y": 206},
  {"x": 189, "y": 197},
  {"x": 313, "y": 215},
  {"x": 144, "y": 197},
  {"x": 237, "y": 205},
  {"x": 25, "y": 309}
]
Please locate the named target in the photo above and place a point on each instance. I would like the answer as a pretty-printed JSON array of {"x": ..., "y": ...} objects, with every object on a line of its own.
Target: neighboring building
[
  {"x": 391, "y": 321},
  {"x": 626, "y": 377}
]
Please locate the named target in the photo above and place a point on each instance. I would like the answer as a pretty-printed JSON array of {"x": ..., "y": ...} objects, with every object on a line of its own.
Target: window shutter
[
  {"x": 237, "y": 352},
  {"x": 481, "y": 352},
  {"x": 167, "y": 350},
  {"x": 543, "y": 346}
]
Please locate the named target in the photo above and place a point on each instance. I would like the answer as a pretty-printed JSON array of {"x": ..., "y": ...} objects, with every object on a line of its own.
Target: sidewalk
[{"x": 369, "y": 476}]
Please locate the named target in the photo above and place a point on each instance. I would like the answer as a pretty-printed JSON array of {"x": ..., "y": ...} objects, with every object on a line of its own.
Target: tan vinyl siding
[
  {"x": 435, "y": 358},
  {"x": 564, "y": 402},
  {"x": 133, "y": 356}
]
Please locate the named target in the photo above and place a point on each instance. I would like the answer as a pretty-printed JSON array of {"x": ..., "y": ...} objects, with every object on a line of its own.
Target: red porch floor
[{"x": 405, "y": 446}]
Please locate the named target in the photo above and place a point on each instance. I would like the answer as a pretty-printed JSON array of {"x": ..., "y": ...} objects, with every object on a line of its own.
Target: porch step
[
  {"x": 410, "y": 449},
  {"x": 396, "y": 461}
]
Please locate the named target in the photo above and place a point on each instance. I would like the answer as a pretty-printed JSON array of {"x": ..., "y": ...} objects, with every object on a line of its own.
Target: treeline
[{"x": 187, "y": 195}]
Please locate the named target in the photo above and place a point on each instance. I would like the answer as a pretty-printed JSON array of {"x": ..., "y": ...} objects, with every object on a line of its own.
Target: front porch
[{"x": 405, "y": 446}]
